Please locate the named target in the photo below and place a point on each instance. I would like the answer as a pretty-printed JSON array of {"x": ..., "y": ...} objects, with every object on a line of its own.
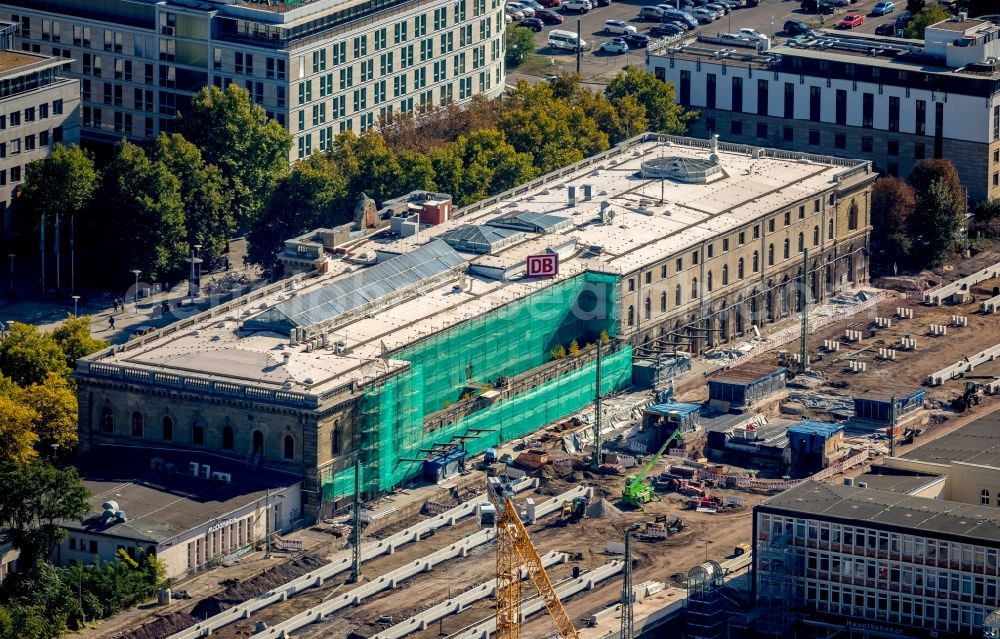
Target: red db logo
[{"x": 545, "y": 265}]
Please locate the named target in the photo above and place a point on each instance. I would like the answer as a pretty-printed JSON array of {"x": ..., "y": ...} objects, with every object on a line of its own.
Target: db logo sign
[{"x": 545, "y": 265}]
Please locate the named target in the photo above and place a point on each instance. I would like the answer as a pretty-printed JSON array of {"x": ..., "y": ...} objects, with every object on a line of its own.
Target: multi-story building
[
  {"x": 890, "y": 101},
  {"x": 318, "y": 67},
  {"x": 39, "y": 108},
  {"x": 430, "y": 331}
]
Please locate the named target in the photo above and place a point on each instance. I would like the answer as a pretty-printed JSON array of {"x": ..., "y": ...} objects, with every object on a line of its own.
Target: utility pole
[
  {"x": 628, "y": 596},
  {"x": 892, "y": 426},
  {"x": 267, "y": 524},
  {"x": 579, "y": 48},
  {"x": 597, "y": 409},
  {"x": 804, "y": 345},
  {"x": 356, "y": 525}
]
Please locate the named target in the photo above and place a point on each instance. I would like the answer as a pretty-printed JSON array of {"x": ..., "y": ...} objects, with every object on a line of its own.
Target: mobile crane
[
  {"x": 637, "y": 491},
  {"x": 514, "y": 547}
]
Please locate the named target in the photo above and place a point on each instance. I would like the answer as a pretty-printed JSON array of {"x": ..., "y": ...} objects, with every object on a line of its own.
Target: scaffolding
[
  {"x": 705, "y": 611},
  {"x": 778, "y": 565},
  {"x": 475, "y": 355}
]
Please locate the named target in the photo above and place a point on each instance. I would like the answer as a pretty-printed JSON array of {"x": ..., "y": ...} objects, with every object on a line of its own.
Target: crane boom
[
  {"x": 652, "y": 460},
  {"x": 513, "y": 544}
]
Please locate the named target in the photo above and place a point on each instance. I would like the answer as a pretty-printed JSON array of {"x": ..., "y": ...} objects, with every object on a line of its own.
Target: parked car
[
  {"x": 617, "y": 45},
  {"x": 514, "y": 12},
  {"x": 750, "y": 34},
  {"x": 719, "y": 8},
  {"x": 636, "y": 41},
  {"x": 883, "y": 8},
  {"x": 534, "y": 24},
  {"x": 796, "y": 28},
  {"x": 602, "y": 3},
  {"x": 551, "y": 4},
  {"x": 531, "y": 3},
  {"x": 886, "y": 29},
  {"x": 684, "y": 17},
  {"x": 839, "y": 3},
  {"x": 652, "y": 14},
  {"x": 684, "y": 26},
  {"x": 703, "y": 15},
  {"x": 753, "y": 3},
  {"x": 549, "y": 17},
  {"x": 852, "y": 20},
  {"x": 817, "y": 6},
  {"x": 618, "y": 26},
  {"x": 903, "y": 20},
  {"x": 579, "y": 6},
  {"x": 666, "y": 30},
  {"x": 523, "y": 8}
]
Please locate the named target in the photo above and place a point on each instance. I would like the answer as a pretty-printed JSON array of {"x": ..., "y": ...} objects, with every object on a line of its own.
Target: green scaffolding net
[{"x": 457, "y": 363}]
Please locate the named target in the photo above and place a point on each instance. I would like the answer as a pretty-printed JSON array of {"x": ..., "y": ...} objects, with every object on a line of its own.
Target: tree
[
  {"x": 144, "y": 215},
  {"x": 17, "y": 437},
  {"x": 36, "y": 497},
  {"x": 61, "y": 184},
  {"x": 369, "y": 165},
  {"x": 936, "y": 221},
  {"x": 489, "y": 165},
  {"x": 54, "y": 403},
  {"x": 656, "y": 96},
  {"x": 931, "y": 15},
  {"x": 927, "y": 171},
  {"x": 74, "y": 338},
  {"x": 313, "y": 195},
  {"x": 416, "y": 172},
  {"x": 236, "y": 135},
  {"x": 987, "y": 217},
  {"x": 207, "y": 203},
  {"x": 520, "y": 42},
  {"x": 27, "y": 355},
  {"x": 893, "y": 201}
]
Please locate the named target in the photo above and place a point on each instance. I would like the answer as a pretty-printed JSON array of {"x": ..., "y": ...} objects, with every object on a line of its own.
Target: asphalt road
[{"x": 597, "y": 68}]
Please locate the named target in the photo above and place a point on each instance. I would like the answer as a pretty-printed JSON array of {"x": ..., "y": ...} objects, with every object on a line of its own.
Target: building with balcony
[
  {"x": 409, "y": 339},
  {"x": 39, "y": 108},
  {"x": 887, "y": 100},
  {"x": 318, "y": 67}
]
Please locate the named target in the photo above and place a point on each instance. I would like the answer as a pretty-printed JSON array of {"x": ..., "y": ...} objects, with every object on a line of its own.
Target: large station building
[{"x": 431, "y": 332}]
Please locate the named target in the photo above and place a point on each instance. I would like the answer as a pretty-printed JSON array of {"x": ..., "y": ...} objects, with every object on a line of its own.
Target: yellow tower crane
[{"x": 514, "y": 547}]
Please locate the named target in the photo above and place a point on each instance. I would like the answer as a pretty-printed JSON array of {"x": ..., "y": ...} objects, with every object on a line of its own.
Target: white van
[{"x": 559, "y": 39}]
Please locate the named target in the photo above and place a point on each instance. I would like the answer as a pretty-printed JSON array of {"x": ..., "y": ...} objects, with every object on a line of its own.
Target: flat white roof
[{"x": 642, "y": 231}]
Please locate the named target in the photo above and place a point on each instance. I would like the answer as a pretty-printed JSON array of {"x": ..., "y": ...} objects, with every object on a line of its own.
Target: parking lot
[{"x": 597, "y": 68}]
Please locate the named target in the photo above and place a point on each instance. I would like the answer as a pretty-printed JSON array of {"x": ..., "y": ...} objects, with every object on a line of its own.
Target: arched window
[
  {"x": 785, "y": 248},
  {"x": 802, "y": 242},
  {"x": 739, "y": 269},
  {"x": 258, "y": 443},
  {"x": 335, "y": 438},
  {"x": 756, "y": 262},
  {"x": 677, "y": 295},
  {"x": 852, "y": 216},
  {"x": 227, "y": 437},
  {"x": 709, "y": 281},
  {"x": 663, "y": 302},
  {"x": 289, "y": 447},
  {"x": 829, "y": 229},
  {"x": 631, "y": 315},
  {"x": 694, "y": 288},
  {"x": 137, "y": 424},
  {"x": 649, "y": 308},
  {"x": 984, "y": 497},
  {"x": 725, "y": 274},
  {"x": 770, "y": 254},
  {"x": 816, "y": 235},
  {"x": 108, "y": 420},
  {"x": 198, "y": 433},
  {"x": 168, "y": 428}
]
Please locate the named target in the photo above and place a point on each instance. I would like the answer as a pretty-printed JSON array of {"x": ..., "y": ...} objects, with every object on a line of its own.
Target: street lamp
[
  {"x": 76, "y": 299},
  {"x": 55, "y": 452},
  {"x": 136, "y": 272}
]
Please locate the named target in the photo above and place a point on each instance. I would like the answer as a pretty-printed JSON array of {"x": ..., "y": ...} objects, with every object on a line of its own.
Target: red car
[
  {"x": 549, "y": 17},
  {"x": 851, "y": 20},
  {"x": 554, "y": 4}
]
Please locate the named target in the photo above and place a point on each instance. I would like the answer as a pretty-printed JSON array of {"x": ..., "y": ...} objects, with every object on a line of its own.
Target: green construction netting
[{"x": 509, "y": 341}]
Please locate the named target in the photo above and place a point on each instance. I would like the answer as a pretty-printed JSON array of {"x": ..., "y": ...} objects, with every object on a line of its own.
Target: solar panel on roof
[{"x": 341, "y": 295}]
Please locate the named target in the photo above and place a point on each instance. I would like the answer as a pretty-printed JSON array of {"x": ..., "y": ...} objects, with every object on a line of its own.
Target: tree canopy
[
  {"x": 74, "y": 338},
  {"x": 27, "y": 355},
  {"x": 925, "y": 18},
  {"x": 657, "y": 97},
  {"x": 520, "y": 43},
  {"x": 62, "y": 183}
]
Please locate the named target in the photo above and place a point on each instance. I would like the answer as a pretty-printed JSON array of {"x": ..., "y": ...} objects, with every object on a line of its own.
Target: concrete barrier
[
  {"x": 990, "y": 306},
  {"x": 942, "y": 294},
  {"x": 962, "y": 366}
]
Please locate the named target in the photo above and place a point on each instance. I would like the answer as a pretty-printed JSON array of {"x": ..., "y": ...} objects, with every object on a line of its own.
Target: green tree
[
  {"x": 520, "y": 42},
  {"x": 62, "y": 184},
  {"x": 17, "y": 436},
  {"x": 74, "y": 338},
  {"x": 416, "y": 172},
  {"x": 987, "y": 217},
  {"x": 54, "y": 403},
  {"x": 144, "y": 215},
  {"x": 28, "y": 355},
  {"x": 931, "y": 15},
  {"x": 489, "y": 165},
  {"x": 656, "y": 96},
  {"x": 925, "y": 172},
  {"x": 36, "y": 497},
  {"x": 893, "y": 202},
  {"x": 936, "y": 221},
  {"x": 236, "y": 135},
  {"x": 369, "y": 164},
  {"x": 207, "y": 202},
  {"x": 313, "y": 195}
]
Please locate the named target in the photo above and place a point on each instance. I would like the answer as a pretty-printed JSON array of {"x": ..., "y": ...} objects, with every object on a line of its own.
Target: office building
[
  {"x": 432, "y": 331},
  {"x": 890, "y": 101},
  {"x": 39, "y": 108},
  {"x": 318, "y": 67}
]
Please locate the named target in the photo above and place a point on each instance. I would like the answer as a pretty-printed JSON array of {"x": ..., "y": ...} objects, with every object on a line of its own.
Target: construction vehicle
[
  {"x": 971, "y": 396},
  {"x": 637, "y": 490},
  {"x": 514, "y": 547},
  {"x": 574, "y": 510},
  {"x": 741, "y": 549}
]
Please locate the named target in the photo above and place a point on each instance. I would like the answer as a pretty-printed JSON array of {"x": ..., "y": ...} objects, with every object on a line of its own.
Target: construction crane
[
  {"x": 637, "y": 492},
  {"x": 514, "y": 547}
]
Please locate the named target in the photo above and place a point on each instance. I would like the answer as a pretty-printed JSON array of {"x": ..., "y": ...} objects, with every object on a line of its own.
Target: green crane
[{"x": 637, "y": 492}]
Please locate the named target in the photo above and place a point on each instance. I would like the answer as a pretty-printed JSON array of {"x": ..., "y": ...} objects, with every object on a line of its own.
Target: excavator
[
  {"x": 637, "y": 491},
  {"x": 514, "y": 547}
]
